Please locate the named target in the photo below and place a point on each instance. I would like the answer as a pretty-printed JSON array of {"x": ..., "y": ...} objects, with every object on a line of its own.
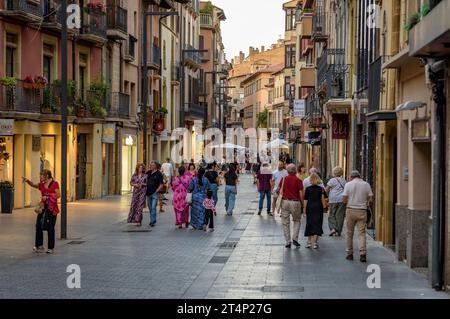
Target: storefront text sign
[
  {"x": 299, "y": 109},
  {"x": 6, "y": 127},
  {"x": 340, "y": 126},
  {"x": 109, "y": 133}
]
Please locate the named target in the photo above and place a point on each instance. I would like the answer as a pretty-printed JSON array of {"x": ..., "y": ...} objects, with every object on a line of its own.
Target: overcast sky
[{"x": 250, "y": 23}]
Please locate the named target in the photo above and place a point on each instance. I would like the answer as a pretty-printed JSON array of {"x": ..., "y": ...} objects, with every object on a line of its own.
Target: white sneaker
[
  {"x": 38, "y": 249},
  {"x": 308, "y": 245},
  {"x": 49, "y": 251},
  {"x": 315, "y": 246}
]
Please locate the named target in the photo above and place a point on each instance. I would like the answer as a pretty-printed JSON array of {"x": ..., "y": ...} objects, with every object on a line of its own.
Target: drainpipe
[{"x": 437, "y": 71}]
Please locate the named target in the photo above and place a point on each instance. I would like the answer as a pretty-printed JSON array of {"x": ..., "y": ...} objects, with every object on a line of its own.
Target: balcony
[
  {"x": 307, "y": 45},
  {"x": 319, "y": 31},
  {"x": 119, "y": 107},
  {"x": 24, "y": 10},
  {"x": 332, "y": 74},
  {"x": 191, "y": 57},
  {"x": 117, "y": 22},
  {"x": 130, "y": 49},
  {"x": 306, "y": 27},
  {"x": 176, "y": 73},
  {"x": 93, "y": 27},
  {"x": 307, "y": 76},
  {"x": 431, "y": 36},
  {"x": 374, "y": 111},
  {"x": 314, "y": 111},
  {"x": 20, "y": 99},
  {"x": 154, "y": 61},
  {"x": 206, "y": 20},
  {"x": 194, "y": 111},
  {"x": 206, "y": 56}
]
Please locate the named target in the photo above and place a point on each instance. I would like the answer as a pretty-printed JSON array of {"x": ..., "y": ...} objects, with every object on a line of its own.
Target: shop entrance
[
  {"x": 129, "y": 161},
  {"x": 81, "y": 167}
]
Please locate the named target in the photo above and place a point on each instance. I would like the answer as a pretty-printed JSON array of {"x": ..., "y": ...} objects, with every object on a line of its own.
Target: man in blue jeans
[
  {"x": 265, "y": 185},
  {"x": 155, "y": 184}
]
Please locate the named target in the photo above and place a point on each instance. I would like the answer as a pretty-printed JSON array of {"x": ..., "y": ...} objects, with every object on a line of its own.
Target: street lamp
[
  {"x": 145, "y": 67},
  {"x": 64, "y": 120}
]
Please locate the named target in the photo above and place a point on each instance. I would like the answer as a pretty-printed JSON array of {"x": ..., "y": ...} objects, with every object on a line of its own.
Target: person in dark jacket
[{"x": 155, "y": 184}]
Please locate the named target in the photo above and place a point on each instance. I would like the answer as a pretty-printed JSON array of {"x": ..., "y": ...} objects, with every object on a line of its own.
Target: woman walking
[
  {"x": 199, "y": 186},
  {"x": 313, "y": 204},
  {"x": 180, "y": 187},
  {"x": 335, "y": 189},
  {"x": 139, "y": 184},
  {"x": 213, "y": 178},
  {"x": 192, "y": 171},
  {"x": 231, "y": 182},
  {"x": 46, "y": 219},
  {"x": 302, "y": 172}
]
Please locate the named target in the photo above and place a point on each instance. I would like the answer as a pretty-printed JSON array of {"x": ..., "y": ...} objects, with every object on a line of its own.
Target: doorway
[{"x": 81, "y": 167}]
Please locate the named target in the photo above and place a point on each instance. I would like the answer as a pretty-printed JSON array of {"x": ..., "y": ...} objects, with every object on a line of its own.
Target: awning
[
  {"x": 381, "y": 116},
  {"x": 410, "y": 106}
]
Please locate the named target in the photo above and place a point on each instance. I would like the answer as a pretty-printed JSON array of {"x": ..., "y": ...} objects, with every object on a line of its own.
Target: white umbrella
[
  {"x": 278, "y": 143},
  {"x": 229, "y": 146}
]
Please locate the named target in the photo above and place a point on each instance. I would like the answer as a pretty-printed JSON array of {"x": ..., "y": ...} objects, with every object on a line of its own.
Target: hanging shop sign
[
  {"x": 299, "y": 109},
  {"x": 314, "y": 138},
  {"x": 6, "y": 127},
  {"x": 420, "y": 131},
  {"x": 340, "y": 126},
  {"x": 109, "y": 133}
]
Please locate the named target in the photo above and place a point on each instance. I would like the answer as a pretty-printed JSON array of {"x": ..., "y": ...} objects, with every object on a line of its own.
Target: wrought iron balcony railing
[
  {"x": 117, "y": 17},
  {"x": 195, "y": 111},
  {"x": 93, "y": 24},
  {"x": 20, "y": 99},
  {"x": 206, "y": 20},
  {"x": 332, "y": 73},
  {"x": 319, "y": 29},
  {"x": 176, "y": 72},
  {"x": 374, "y": 84},
  {"x": 130, "y": 48},
  {"x": 191, "y": 55},
  {"x": 32, "y": 8}
]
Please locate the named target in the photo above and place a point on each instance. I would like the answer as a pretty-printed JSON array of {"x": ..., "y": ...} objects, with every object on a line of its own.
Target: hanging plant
[
  {"x": 28, "y": 82},
  {"x": 412, "y": 21},
  {"x": 40, "y": 82},
  {"x": 8, "y": 82}
]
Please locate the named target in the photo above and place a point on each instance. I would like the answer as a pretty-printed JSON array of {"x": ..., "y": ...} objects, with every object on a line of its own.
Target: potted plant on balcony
[
  {"x": 40, "y": 82},
  {"x": 412, "y": 21},
  {"x": 80, "y": 107},
  {"x": 95, "y": 7},
  {"x": 8, "y": 82},
  {"x": 28, "y": 82},
  {"x": 7, "y": 196},
  {"x": 164, "y": 111}
]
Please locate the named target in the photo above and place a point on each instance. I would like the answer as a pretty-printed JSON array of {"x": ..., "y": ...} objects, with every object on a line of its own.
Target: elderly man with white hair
[
  {"x": 291, "y": 190},
  {"x": 307, "y": 181},
  {"x": 357, "y": 196}
]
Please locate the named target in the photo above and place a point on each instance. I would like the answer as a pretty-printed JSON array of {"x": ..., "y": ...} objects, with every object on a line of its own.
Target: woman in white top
[{"x": 335, "y": 190}]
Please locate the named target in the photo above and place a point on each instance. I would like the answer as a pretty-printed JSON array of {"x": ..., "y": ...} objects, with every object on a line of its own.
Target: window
[
  {"x": 12, "y": 59},
  {"x": 290, "y": 19},
  {"x": 82, "y": 74},
  {"x": 289, "y": 89},
  {"x": 290, "y": 56},
  {"x": 48, "y": 62},
  {"x": 164, "y": 55}
]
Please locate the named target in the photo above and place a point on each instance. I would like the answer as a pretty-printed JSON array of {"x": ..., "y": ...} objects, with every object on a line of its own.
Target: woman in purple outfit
[{"x": 139, "y": 184}]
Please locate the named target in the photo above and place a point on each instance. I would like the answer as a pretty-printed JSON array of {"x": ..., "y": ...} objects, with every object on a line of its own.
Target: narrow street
[{"x": 244, "y": 258}]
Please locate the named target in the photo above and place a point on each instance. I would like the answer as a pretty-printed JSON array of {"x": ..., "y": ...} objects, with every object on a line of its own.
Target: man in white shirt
[
  {"x": 357, "y": 196},
  {"x": 167, "y": 170},
  {"x": 277, "y": 176}
]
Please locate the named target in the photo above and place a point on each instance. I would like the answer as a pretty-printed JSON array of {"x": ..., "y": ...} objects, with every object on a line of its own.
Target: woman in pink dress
[
  {"x": 192, "y": 171},
  {"x": 180, "y": 187},
  {"x": 139, "y": 184}
]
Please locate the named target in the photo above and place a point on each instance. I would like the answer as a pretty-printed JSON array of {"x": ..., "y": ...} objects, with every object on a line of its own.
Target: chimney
[
  {"x": 251, "y": 51},
  {"x": 263, "y": 48},
  {"x": 241, "y": 56}
]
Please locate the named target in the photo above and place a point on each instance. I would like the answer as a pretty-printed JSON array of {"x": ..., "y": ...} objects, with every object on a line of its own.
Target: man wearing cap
[
  {"x": 357, "y": 196},
  {"x": 155, "y": 184}
]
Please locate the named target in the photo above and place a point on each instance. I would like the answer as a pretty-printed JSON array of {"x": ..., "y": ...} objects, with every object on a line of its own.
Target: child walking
[{"x": 210, "y": 211}]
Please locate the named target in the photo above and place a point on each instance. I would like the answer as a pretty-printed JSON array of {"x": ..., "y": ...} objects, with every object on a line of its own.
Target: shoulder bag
[
  {"x": 39, "y": 209},
  {"x": 189, "y": 194},
  {"x": 325, "y": 202},
  {"x": 280, "y": 196}
]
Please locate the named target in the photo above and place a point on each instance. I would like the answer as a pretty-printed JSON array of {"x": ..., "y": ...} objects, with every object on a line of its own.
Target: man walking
[
  {"x": 155, "y": 183},
  {"x": 264, "y": 184},
  {"x": 167, "y": 170},
  {"x": 357, "y": 196},
  {"x": 277, "y": 176},
  {"x": 307, "y": 182}
]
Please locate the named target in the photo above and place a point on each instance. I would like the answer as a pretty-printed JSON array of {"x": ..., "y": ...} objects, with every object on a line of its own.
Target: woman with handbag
[
  {"x": 335, "y": 189},
  {"x": 315, "y": 204},
  {"x": 47, "y": 211},
  {"x": 180, "y": 187}
]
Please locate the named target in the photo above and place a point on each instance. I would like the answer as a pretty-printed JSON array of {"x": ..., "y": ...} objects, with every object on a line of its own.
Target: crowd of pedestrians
[{"x": 287, "y": 191}]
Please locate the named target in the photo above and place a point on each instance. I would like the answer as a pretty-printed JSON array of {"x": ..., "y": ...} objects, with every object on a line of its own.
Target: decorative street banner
[
  {"x": 340, "y": 126},
  {"x": 109, "y": 133},
  {"x": 6, "y": 127},
  {"x": 299, "y": 109},
  {"x": 314, "y": 138}
]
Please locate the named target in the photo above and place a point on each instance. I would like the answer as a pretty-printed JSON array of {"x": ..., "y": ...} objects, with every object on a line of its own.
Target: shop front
[
  {"x": 6, "y": 150},
  {"x": 129, "y": 158}
]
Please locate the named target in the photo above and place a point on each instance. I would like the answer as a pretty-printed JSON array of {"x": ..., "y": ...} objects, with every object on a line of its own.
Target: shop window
[
  {"x": 47, "y": 160},
  {"x": 6, "y": 159}
]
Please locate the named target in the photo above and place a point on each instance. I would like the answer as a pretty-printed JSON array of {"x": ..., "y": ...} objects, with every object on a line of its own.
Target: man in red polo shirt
[{"x": 292, "y": 188}]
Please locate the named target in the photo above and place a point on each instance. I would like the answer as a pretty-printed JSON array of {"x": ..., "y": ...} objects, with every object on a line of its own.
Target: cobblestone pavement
[{"x": 244, "y": 258}]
